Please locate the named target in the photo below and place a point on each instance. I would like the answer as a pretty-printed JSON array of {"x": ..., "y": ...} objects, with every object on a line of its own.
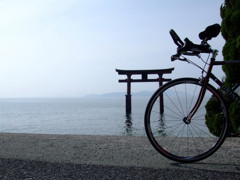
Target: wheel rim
[{"x": 172, "y": 134}]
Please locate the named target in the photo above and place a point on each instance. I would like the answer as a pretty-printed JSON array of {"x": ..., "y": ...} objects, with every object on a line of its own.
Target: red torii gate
[{"x": 144, "y": 78}]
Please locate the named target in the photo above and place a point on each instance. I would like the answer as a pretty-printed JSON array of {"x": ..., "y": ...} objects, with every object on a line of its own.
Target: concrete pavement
[{"x": 115, "y": 152}]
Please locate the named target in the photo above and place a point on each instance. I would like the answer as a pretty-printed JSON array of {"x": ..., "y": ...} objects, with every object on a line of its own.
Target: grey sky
[{"x": 55, "y": 48}]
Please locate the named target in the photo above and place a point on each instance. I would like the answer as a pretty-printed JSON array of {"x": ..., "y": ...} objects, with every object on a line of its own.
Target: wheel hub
[{"x": 186, "y": 120}]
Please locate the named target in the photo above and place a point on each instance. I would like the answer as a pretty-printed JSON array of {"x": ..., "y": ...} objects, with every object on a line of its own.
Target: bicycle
[{"x": 181, "y": 132}]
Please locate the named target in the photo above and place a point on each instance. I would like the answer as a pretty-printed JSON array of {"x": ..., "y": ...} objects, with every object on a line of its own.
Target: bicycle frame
[{"x": 205, "y": 80}]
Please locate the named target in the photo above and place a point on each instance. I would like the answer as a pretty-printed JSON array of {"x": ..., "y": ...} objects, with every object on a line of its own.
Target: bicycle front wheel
[{"x": 166, "y": 126}]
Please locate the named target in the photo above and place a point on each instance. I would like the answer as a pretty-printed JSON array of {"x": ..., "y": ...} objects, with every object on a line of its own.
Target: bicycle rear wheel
[{"x": 171, "y": 135}]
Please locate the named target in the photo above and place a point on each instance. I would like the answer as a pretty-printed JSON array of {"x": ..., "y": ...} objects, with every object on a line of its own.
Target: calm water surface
[{"x": 83, "y": 116}]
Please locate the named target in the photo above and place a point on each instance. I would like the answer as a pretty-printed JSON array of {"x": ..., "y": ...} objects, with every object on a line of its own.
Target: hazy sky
[{"x": 55, "y": 48}]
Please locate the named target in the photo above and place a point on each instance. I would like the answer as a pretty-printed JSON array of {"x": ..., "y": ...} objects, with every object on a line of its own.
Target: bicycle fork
[
  {"x": 204, "y": 82},
  {"x": 187, "y": 119}
]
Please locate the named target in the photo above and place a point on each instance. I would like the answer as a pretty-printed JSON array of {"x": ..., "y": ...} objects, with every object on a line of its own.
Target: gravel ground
[
  {"x": 36, "y": 156},
  {"x": 29, "y": 170}
]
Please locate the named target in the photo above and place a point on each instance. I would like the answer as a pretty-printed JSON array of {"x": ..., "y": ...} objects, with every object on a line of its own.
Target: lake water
[{"x": 82, "y": 116}]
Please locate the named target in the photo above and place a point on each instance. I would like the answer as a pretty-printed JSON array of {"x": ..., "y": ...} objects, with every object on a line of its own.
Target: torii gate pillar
[{"x": 128, "y": 95}]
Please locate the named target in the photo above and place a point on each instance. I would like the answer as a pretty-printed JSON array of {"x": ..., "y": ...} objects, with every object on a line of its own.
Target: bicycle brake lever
[
  {"x": 182, "y": 59},
  {"x": 176, "y": 57}
]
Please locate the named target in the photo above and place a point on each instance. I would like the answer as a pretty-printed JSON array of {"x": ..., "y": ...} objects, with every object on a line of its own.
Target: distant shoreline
[
  {"x": 104, "y": 95},
  {"x": 122, "y": 94}
]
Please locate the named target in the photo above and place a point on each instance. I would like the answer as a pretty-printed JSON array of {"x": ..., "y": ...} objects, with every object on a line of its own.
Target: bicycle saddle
[{"x": 210, "y": 32}]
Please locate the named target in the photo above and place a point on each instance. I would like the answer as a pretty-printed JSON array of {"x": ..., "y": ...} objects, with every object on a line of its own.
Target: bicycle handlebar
[{"x": 191, "y": 49}]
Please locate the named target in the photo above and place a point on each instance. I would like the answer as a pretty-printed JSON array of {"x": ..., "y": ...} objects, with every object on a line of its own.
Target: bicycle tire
[{"x": 174, "y": 138}]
